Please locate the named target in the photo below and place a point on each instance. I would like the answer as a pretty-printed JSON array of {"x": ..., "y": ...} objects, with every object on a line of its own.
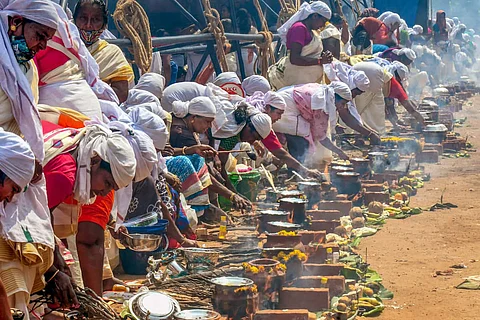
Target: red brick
[
  {"x": 318, "y": 269},
  {"x": 428, "y": 156},
  {"x": 432, "y": 146},
  {"x": 381, "y": 197},
  {"x": 385, "y": 177},
  {"x": 312, "y": 236},
  {"x": 318, "y": 253},
  {"x": 313, "y": 300},
  {"x": 336, "y": 284},
  {"x": 324, "y": 225},
  {"x": 325, "y": 214},
  {"x": 343, "y": 206},
  {"x": 373, "y": 187},
  {"x": 286, "y": 314}
]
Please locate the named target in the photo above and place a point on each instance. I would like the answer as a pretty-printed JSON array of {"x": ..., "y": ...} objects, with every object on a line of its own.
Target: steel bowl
[
  {"x": 197, "y": 314},
  {"x": 143, "y": 242},
  {"x": 200, "y": 259},
  {"x": 153, "y": 305}
]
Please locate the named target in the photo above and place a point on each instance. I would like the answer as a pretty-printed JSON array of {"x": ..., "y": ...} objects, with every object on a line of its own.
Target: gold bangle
[
  {"x": 183, "y": 150},
  {"x": 54, "y": 275},
  {"x": 183, "y": 241},
  {"x": 232, "y": 196}
]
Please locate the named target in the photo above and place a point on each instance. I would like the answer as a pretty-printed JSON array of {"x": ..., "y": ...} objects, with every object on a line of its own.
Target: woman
[
  {"x": 331, "y": 37},
  {"x": 371, "y": 104},
  {"x": 404, "y": 55},
  {"x": 255, "y": 83},
  {"x": 393, "y": 22},
  {"x": 370, "y": 31},
  {"x": 241, "y": 123},
  {"x": 17, "y": 167},
  {"x": 25, "y": 28},
  {"x": 303, "y": 63},
  {"x": 311, "y": 111},
  {"x": 82, "y": 164},
  {"x": 182, "y": 91},
  {"x": 440, "y": 28},
  {"x": 190, "y": 119},
  {"x": 91, "y": 18}
]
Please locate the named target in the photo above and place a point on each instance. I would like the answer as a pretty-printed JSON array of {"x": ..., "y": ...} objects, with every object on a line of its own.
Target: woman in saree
[
  {"x": 91, "y": 18},
  {"x": 81, "y": 164},
  {"x": 25, "y": 257},
  {"x": 440, "y": 28},
  {"x": 306, "y": 57},
  {"x": 311, "y": 112},
  {"x": 370, "y": 31},
  {"x": 404, "y": 55}
]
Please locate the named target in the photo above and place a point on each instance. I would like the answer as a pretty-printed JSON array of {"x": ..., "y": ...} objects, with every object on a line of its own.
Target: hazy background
[{"x": 468, "y": 11}]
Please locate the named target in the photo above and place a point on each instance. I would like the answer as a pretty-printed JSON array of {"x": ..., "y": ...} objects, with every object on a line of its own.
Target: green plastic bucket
[{"x": 247, "y": 187}]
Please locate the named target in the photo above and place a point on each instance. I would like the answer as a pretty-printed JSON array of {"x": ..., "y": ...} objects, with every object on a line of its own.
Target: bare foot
[{"x": 109, "y": 283}]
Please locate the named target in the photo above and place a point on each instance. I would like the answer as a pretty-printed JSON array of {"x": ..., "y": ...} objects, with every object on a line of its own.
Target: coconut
[
  {"x": 358, "y": 223},
  {"x": 341, "y": 231},
  {"x": 375, "y": 207},
  {"x": 355, "y": 212},
  {"x": 341, "y": 307}
]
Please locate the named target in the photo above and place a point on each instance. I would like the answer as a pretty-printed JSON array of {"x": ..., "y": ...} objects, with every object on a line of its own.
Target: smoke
[{"x": 467, "y": 11}]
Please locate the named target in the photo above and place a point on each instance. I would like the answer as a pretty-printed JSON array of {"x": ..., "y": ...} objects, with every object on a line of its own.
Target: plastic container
[
  {"x": 247, "y": 187},
  {"x": 329, "y": 259},
  {"x": 336, "y": 257},
  {"x": 324, "y": 282},
  {"x": 222, "y": 234},
  {"x": 145, "y": 220}
]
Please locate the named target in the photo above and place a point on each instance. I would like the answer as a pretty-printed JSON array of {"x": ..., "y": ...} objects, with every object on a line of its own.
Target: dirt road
[{"x": 407, "y": 252}]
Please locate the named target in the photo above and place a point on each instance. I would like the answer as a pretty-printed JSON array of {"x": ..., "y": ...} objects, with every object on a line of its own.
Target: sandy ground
[{"x": 407, "y": 252}]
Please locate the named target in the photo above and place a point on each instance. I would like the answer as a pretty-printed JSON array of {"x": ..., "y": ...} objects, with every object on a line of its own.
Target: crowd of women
[{"x": 85, "y": 149}]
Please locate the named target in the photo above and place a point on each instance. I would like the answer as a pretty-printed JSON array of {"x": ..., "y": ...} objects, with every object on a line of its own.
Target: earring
[{"x": 13, "y": 28}]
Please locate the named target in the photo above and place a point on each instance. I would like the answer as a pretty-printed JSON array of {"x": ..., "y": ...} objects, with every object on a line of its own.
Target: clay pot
[
  {"x": 361, "y": 166},
  {"x": 296, "y": 206},
  {"x": 267, "y": 216},
  {"x": 277, "y": 226},
  {"x": 278, "y": 241}
]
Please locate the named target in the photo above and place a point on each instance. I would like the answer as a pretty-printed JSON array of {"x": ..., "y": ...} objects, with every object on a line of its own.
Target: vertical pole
[
  {"x": 213, "y": 57},
  {"x": 199, "y": 66},
  {"x": 235, "y": 43}
]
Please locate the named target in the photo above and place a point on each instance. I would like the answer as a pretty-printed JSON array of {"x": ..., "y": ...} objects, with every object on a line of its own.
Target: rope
[
  {"x": 215, "y": 27},
  {"x": 132, "y": 23},
  {"x": 288, "y": 9},
  {"x": 266, "y": 55}
]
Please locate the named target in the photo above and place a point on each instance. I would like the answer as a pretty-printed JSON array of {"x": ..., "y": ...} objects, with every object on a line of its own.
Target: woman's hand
[
  {"x": 173, "y": 181},
  {"x": 61, "y": 286},
  {"x": 326, "y": 58},
  {"x": 187, "y": 243},
  {"x": 202, "y": 150},
  {"x": 314, "y": 173},
  {"x": 259, "y": 148},
  {"x": 168, "y": 151},
  {"x": 342, "y": 155},
  {"x": 37, "y": 175},
  {"x": 374, "y": 138},
  {"x": 240, "y": 202}
]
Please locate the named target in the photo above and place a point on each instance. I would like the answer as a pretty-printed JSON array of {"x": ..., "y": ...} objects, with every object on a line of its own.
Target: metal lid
[
  {"x": 284, "y": 224},
  {"x": 197, "y": 314},
  {"x": 274, "y": 213},
  {"x": 232, "y": 281},
  {"x": 293, "y": 200},
  {"x": 157, "y": 305}
]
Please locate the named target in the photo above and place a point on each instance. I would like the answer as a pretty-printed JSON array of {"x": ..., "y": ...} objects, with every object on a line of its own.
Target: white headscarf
[
  {"x": 16, "y": 158},
  {"x": 339, "y": 71},
  {"x": 390, "y": 19},
  {"x": 400, "y": 68},
  {"x": 226, "y": 77},
  {"x": 142, "y": 146},
  {"x": 306, "y": 9},
  {"x": 12, "y": 80},
  {"x": 260, "y": 100},
  {"x": 418, "y": 29},
  {"x": 324, "y": 99},
  {"x": 146, "y": 99},
  {"x": 111, "y": 148},
  {"x": 262, "y": 123},
  {"x": 150, "y": 123},
  {"x": 229, "y": 126},
  {"x": 199, "y": 106},
  {"x": 255, "y": 83},
  {"x": 153, "y": 83},
  {"x": 407, "y": 52}
]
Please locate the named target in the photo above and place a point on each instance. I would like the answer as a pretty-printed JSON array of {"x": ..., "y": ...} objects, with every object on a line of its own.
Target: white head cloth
[
  {"x": 419, "y": 50},
  {"x": 111, "y": 148},
  {"x": 400, "y": 68},
  {"x": 12, "y": 80},
  {"x": 142, "y": 146},
  {"x": 407, "y": 52},
  {"x": 70, "y": 36},
  {"x": 339, "y": 71},
  {"x": 456, "y": 20},
  {"x": 255, "y": 83},
  {"x": 418, "y": 29},
  {"x": 324, "y": 99},
  {"x": 199, "y": 106},
  {"x": 262, "y": 123},
  {"x": 146, "y": 99},
  {"x": 153, "y": 83},
  {"x": 150, "y": 123},
  {"x": 391, "y": 19},
  {"x": 260, "y": 100},
  {"x": 226, "y": 77},
  {"x": 229, "y": 127},
  {"x": 306, "y": 9},
  {"x": 16, "y": 158}
]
